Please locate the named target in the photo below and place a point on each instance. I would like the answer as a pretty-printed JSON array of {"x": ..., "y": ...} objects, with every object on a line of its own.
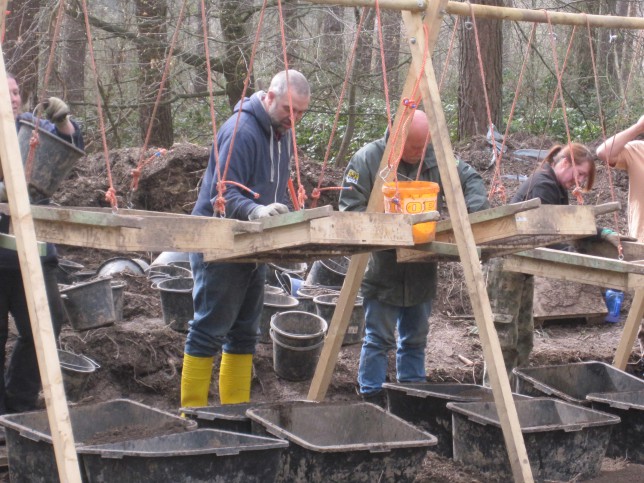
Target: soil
[{"x": 140, "y": 357}]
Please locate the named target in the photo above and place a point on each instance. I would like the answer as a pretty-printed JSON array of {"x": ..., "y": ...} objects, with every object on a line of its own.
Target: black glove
[{"x": 56, "y": 110}]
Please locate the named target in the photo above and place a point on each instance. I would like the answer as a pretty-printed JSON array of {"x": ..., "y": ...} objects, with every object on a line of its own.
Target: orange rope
[
  {"x": 496, "y": 186},
  {"x": 350, "y": 63},
  {"x": 301, "y": 193},
  {"x": 221, "y": 186},
  {"x": 110, "y": 195},
  {"x": 213, "y": 121},
  {"x": 142, "y": 162},
  {"x": 577, "y": 190},
  {"x": 620, "y": 248},
  {"x": 35, "y": 139},
  {"x": 563, "y": 67}
]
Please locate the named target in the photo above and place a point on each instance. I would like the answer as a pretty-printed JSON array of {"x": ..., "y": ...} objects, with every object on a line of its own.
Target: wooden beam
[
  {"x": 464, "y": 238},
  {"x": 576, "y": 267},
  {"x": 35, "y": 294},
  {"x": 631, "y": 328},
  {"x": 9, "y": 242},
  {"x": 501, "y": 13}
]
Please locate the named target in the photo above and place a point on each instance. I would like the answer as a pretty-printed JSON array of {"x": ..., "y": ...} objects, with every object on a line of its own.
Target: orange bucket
[{"x": 413, "y": 197}]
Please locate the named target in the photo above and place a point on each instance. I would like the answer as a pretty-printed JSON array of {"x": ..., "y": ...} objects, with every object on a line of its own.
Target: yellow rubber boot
[
  {"x": 195, "y": 380},
  {"x": 234, "y": 378}
]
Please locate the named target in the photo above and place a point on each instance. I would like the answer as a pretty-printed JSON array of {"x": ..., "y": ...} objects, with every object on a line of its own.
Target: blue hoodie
[{"x": 260, "y": 161}]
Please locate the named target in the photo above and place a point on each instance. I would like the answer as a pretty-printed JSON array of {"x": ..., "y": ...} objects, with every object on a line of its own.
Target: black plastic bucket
[
  {"x": 118, "y": 294},
  {"x": 329, "y": 272},
  {"x": 157, "y": 273},
  {"x": 67, "y": 270},
  {"x": 54, "y": 159},
  {"x": 176, "y": 302},
  {"x": 273, "y": 304},
  {"x": 89, "y": 305},
  {"x": 306, "y": 293},
  {"x": 295, "y": 363},
  {"x": 228, "y": 417},
  {"x": 297, "y": 342},
  {"x": 325, "y": 307},
  {"x": 275, "y": 269}
]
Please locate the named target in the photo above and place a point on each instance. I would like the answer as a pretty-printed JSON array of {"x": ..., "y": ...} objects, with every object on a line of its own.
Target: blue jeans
[
  {"x": 228, "y": 300},
  {"x": 381, "y": 322}
]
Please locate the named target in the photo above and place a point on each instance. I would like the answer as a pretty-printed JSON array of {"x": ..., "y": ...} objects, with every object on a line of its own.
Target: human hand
[
  {"x": 56, "y": 110},
  {"x": 640, "y": 124},
  {"x": 610, "y": 236},
  {"x": 262, "y": 211}
]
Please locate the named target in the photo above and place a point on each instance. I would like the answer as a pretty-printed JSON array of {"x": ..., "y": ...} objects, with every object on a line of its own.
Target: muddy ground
[{"x": 141, "y": 357}]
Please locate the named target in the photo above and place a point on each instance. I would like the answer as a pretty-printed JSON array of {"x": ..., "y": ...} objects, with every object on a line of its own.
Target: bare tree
[
  {"x": 234, "y": 26},
  {"x": 72, "y": 59},
  {"x": 472, "y": 111}
]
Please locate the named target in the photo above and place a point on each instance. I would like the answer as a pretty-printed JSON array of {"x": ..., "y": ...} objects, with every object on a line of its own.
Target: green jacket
[{"x": 401, "y": 284}]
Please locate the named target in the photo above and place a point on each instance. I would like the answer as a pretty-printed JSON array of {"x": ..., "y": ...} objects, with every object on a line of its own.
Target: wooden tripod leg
[{"x": 631, "y": 328}]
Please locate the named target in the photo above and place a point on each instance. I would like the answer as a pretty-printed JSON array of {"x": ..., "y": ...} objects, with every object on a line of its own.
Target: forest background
[{"x": 131, "y": 40}]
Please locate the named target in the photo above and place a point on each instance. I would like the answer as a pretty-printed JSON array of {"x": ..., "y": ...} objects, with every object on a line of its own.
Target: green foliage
[{"x": 314, "y": 130}]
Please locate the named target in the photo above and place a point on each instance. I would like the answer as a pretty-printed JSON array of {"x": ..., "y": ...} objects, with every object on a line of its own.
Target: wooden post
[
  {"x": 32, "y": 276},
  {"x": 631, "y": 328},
  {"x": 506, "y": 409}
]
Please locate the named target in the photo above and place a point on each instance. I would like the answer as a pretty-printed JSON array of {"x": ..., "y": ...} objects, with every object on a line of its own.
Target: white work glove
[
  {"x": 56, "y": 110},
  {"x": 262, "y": 211}
]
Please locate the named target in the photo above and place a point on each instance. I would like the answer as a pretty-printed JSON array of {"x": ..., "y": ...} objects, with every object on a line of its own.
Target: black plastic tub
[
  {"x": 357, "y": 442},
  {"x": 563, "y": 441},
  {"x": 573, "y": 382},
  {"x": 30, "y": 449},
  {"x": 200, "y": 456},
  {"x": 424, "y": 404},
  {"x": 627, "y": 438},
  {"x": 229, "y": 417}
]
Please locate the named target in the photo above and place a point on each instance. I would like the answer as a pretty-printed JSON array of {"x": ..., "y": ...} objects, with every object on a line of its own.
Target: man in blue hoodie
[
  {"x": 20, "y": 386},
  {"x": 257, "y": 146}
]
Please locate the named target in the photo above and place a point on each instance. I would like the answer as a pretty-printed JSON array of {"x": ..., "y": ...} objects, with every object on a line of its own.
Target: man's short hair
[{"x": 296, "y": 81}]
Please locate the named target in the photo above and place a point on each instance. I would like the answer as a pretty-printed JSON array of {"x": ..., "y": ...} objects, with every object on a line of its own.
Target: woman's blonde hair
[{"x": 577, "y": 153}]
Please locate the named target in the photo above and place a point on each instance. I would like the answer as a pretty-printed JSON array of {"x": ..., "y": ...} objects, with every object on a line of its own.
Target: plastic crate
[
  {"x": 30, "y": 449},
  {"x": 573, "y": 382},
  {"x": 357, "y": 442},
  {"x": 563, "y": 441},
  {"x": 627, "y": 438},
  {"x": 229, "y": 417},
  {"x": 203, "y": 455},
  {"x": 424, "y": 404}
]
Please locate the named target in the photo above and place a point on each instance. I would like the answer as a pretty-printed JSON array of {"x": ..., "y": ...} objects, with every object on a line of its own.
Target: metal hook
[{"x": 468, "y": 25}]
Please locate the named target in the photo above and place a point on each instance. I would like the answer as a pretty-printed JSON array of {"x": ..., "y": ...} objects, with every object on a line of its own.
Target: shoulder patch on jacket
[{"x": 352, "y": 177}]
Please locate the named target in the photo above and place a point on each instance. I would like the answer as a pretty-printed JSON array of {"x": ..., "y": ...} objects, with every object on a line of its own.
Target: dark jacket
[
  {"x": 543, "y": 185},
  {"x": 260, "y": 161},
  {"x": 401, "y": 284},
  {"x": 9, "y": 258}
]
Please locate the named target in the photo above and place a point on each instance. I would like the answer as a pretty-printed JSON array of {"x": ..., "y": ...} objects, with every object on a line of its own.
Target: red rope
[
  {"x": 577, "y": 190},
  {"x": 143, "y": 162},
  {"x": 301, "y": 192},
  {"x": 213, "y": 120},
  {"x": 350, "y": 63},
  {"x": 620, "y": 248},
  {"x": 221, "y": 186},
  {"x": 110, "y": 195}
]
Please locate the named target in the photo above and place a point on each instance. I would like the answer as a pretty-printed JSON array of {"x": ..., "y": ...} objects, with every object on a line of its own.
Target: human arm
[
  {"x": 473, "y": 188},
  {"x": 611, "y": 150},
  {"x": 359, "y": 178}
]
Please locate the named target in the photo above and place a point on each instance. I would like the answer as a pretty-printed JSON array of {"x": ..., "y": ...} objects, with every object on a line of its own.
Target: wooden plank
[
  {"x": 560, "y": 299},
  {"x": 9, "y": 242},
  {"x": 464, "y": 239},
  {"x": 631, "y": 328},
  {"x": 581, "y": 260},
  {"x": 34, "y": 285},
  {"x": 589, "y": 275},
  {"x": 353, "y": 229},
  {"x": 299, "y": 216},
  {"x": 600, "y": 248},
  {"x": 518, "y": 228}
]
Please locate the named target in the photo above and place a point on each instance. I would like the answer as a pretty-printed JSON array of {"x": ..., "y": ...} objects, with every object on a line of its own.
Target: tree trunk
[
  {"x": 21, "y": 47},
  {"x": 200, "y": 81},
  {"x": 472, "y": 112},
  {"x": 151, "y": 18},
  {"x": 391, "y": 40},
  {"x": 234, "y": 24},
  {"x": 364, "y": 50},
  {"x": 72, "y": 59},
  {"x": 332, "y": 40}
]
